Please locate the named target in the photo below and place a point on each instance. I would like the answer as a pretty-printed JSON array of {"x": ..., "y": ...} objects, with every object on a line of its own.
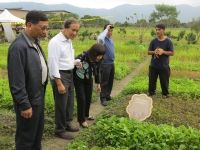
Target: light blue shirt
[{"x": 108, "y": 43}]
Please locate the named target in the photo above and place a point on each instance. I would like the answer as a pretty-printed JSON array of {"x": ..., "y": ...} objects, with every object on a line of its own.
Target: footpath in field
[{"x": 96, "y": 108}]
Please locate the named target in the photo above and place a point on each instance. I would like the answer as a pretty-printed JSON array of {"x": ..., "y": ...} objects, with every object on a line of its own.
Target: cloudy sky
[{"x": 110, "y": 3}]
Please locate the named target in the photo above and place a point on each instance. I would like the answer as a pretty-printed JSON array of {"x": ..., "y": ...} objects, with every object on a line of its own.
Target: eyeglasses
[{"x": 43, "y": 28}]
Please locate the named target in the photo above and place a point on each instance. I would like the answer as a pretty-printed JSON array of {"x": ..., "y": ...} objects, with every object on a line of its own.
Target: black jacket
[
  {"x": 93, "y": 68},
  {"x": 24, "y": 72}
]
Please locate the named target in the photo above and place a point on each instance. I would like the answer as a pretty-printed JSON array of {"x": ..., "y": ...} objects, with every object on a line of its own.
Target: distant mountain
[{"x": 120, "y": 12}]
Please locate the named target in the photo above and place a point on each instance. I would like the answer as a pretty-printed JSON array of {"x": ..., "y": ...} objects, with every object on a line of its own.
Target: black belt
[{"x": 66, "y": 71}]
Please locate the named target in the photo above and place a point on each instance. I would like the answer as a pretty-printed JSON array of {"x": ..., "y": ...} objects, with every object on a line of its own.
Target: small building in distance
[{"x": 19, "y": 12}]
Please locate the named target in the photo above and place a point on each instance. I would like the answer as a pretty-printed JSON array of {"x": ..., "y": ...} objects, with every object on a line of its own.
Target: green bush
[
  {"x": 117, "y": 132},
  {"x": 128, "y": 134},
  {"x": 190, "y": 38}
]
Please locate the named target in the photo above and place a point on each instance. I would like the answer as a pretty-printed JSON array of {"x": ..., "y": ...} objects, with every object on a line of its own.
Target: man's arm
[
  {"x": 160, "y": 52},
  {"x": 53, "y": 59},
  {"x": 150, "y": 49},
  {"x": 102, "y": 36},
  {"x": 170, "y": 49},
  {"x": 169, "y": 53},
  {"x": 16, "y": 76},
  {"x": 61, "y": 87},
  {"x": 54, "y": 56},
  {"x": 150, "y": 52}
]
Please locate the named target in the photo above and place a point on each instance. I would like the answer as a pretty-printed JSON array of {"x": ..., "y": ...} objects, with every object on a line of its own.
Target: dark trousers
[
  {"x": 84, "y": 97},
  {"x": 29, "y": 131},
  {"x": 107, "y": 77},
  {"x": 64, "y": 103},
  {"x": 164, "y": 75}
]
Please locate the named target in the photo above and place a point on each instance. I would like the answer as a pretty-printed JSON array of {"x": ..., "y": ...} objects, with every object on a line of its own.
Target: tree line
[{"x": 165, "y": 14}]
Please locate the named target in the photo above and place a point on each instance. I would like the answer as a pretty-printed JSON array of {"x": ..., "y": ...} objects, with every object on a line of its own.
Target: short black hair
[
  {"x": 106, "y": 26},
  {"x": 160, "y": 26},
  {"x": 96, "y": 50},
  {"x": 70, "y": 21},
  {"x": 34, "y": 16}
]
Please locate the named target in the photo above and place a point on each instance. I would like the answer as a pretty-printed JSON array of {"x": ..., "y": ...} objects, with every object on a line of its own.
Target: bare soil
[{"x": 95, "y": 109}]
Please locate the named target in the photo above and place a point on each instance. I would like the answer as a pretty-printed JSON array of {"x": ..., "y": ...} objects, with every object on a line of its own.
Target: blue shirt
[
  {"x": 108, "y": 43},
  {"x": 163, "y": 61}
]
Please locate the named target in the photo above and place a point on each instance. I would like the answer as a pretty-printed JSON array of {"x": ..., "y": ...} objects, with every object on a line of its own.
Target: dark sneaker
[
  {"x": 65, "y": 135},
  {"x": 104, "y": 103},
  {"x": 71, "y": 128},
  {"x": 108, "y": 98}
]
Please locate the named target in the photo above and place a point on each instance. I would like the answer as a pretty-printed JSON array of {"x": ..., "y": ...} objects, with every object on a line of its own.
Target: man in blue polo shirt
[
  {"x": 107, "y": 68},
  {"x": 160, "y": 48}
]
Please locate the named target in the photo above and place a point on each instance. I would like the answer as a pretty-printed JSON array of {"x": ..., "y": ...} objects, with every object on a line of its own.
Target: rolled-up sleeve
[
  {"x": 102, "y": 36},
  {"x": 53, "y": 59}
]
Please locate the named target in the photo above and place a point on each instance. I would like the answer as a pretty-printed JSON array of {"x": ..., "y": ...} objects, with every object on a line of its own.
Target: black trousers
[
  {"x": 107, "y": 77},
  {"x": 29, "y": 131},
  {"x": 84, "y": 96},
  {"x": 164, "y": 75},
  {"x": 64, "y": 103}
]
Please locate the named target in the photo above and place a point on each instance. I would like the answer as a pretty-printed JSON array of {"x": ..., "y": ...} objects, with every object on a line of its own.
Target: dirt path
[{"x": 96, "y": 108}]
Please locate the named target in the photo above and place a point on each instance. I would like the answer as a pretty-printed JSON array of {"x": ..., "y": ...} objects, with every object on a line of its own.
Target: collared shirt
[
  {"x": 60, "y": 55},
  {"x": 43, "y": 63}
]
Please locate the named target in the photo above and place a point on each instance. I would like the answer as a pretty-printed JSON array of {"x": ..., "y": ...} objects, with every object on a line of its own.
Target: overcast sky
[{"x": 110, "y": 3}]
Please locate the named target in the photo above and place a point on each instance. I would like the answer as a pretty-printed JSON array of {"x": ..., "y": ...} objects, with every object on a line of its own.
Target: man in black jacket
[{"x": 27, "y": 74}]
